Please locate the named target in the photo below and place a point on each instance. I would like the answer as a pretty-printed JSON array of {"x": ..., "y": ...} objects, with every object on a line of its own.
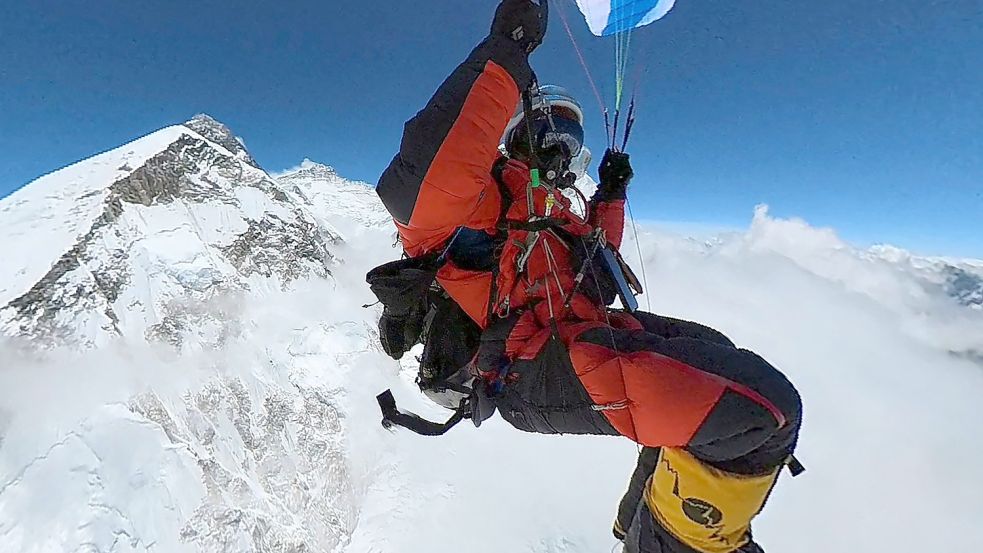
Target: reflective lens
[{"x": 562, "y": 132}]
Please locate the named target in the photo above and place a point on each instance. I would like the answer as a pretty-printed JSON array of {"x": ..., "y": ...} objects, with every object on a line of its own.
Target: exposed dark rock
[
  {"x": 219, "y": 134},
  {"x": 273, "y": 246},
  {"x": 160, "y": 179},
  {"x": 964, "y": 286}
]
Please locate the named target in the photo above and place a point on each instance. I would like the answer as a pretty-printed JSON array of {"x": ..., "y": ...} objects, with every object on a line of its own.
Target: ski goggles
[{"x": 555, "y": 130}]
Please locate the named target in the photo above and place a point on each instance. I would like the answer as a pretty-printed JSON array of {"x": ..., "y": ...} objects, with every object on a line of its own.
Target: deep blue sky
[{"x": 863, "y": 116}]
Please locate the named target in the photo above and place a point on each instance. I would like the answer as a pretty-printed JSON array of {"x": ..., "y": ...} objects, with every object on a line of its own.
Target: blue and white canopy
[{"x": 609, "y": 17}]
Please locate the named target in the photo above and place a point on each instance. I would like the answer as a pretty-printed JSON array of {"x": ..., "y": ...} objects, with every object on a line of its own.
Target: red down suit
[{"x": 571, "y": 364}]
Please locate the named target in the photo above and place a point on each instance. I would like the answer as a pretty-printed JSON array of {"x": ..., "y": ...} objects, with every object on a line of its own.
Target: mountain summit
[
  {"x": 218, "y": 133},
  {"x": 134, "y": 241}
]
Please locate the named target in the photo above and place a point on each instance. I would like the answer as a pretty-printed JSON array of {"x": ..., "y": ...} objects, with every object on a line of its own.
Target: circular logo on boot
[{"x": 702, "y": 513}]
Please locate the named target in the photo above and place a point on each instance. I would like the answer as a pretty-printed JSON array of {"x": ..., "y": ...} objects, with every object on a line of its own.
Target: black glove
[
  {"x": 523, "y": 21},
  {"x": 615, "y": 172}
]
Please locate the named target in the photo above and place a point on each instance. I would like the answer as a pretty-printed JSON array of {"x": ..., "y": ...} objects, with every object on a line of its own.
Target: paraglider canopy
[{"x": 610, "y": 17}]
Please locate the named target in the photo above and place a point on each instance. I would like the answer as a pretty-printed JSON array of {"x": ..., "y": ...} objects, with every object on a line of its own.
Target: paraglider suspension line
[
  {"x": 641, "y": 260},
  {"x": 613, "y": 139},
  {"x": 622, "y": 47},
  {"x": 629, "y": 123},
  {"x": 583, "y": 63}
]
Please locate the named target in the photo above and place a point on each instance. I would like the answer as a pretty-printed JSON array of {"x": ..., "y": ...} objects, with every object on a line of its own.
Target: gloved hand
[
  {"x": 523, "y": 21},
  {"x": 615, "y": 173},
  {"x": 399, "y": 333}
]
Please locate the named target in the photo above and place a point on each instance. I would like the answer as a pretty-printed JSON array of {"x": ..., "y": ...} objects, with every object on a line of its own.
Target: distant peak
[
  {"x": 309, "y": 169},
  {"x": 205, "y": 124},
  {"x": 216, "y": 131},
  {"x": 204, "y": 118},
  {"x": 308, "y": 165}
]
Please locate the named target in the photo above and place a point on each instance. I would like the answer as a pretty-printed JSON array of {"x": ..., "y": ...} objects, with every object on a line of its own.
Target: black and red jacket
[{"x": 619, "y": 376}]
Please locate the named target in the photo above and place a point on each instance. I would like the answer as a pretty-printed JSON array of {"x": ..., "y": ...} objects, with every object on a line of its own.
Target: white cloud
[{"x": 890, "y": 433}]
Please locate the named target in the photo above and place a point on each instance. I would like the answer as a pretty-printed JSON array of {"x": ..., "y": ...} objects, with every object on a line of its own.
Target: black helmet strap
[
  {"x": 555, "y": 168},
  {"x": 527, "y": 114}
]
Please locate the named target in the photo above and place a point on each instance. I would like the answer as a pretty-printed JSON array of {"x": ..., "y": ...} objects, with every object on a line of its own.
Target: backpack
[
  {"x": 404, "y": 288},
  {"x": 417, "y": 310}
]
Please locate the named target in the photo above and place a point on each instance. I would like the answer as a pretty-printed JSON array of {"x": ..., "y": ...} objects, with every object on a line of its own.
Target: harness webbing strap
[
  {"x": 537, "y": 225},
  {"x": 392, "y": 416}
]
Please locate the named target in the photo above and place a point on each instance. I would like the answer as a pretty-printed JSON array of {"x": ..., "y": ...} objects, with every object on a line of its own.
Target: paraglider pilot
[{"x": 508, "y": 287}]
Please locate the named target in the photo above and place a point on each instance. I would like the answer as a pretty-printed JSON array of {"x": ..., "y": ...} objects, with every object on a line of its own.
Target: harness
[{"x": 477, "y": 402}]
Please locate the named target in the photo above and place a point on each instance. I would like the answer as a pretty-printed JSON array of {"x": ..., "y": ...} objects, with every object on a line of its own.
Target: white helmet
[{"x": 551, "y": 100}]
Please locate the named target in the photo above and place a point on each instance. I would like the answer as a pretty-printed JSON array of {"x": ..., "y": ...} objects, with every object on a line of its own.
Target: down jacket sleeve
[{"x": 441, "y": 177}]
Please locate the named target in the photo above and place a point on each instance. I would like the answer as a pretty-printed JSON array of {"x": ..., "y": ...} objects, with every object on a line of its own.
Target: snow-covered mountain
[
  {"x": 960, "y": 279},
  {"x": 169, "y": 240},
  {"x": 352, "y": 207},
  {"x": 135, "y": 241},
  {"x": 206, "y": 376}
]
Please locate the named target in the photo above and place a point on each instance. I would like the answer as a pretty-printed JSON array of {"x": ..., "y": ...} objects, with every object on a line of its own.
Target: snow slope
[
  {"x": 269, "y": 439},
  {"x": 42, "y": 220},
  {"x": 351, "y": 207}
]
